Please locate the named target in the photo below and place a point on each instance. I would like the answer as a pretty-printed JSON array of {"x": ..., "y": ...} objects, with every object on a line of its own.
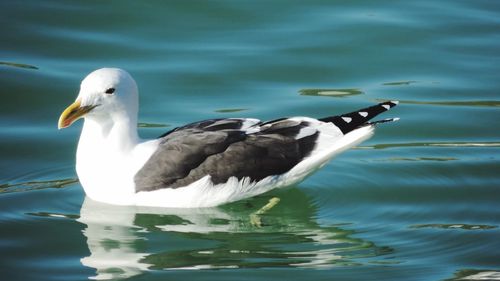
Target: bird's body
[{"x": 202, "y": 164}]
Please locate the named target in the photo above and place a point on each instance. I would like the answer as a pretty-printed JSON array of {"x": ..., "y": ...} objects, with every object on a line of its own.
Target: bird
[{"x": 202, "y": 164}]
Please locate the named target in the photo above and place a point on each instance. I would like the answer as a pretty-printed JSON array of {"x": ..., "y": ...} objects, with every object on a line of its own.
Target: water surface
[{"x": 419, "y": 201}]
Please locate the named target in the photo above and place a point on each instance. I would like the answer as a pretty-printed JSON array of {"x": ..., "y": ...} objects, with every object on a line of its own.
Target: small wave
[
  {"x": 151, "y": 125},
  {"x": 230, "y": 110},
  {"x": 484, "y": 103},
  {"x": 330, "y": 92},
  {"x": 19, "y": 65},
  {"x": 455, "y": 226},
  {"x": 399, "y": 83},
  {"x": 54, "y": 215},
  {"x": 431, "y": 144},
  {"x": 36, "y": 185},
  {"x": 440, "y": 159},
  {"x": 475, "y": 274}
]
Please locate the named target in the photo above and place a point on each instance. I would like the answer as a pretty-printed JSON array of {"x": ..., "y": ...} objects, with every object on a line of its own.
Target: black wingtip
[{"x": 350, "y": 121}]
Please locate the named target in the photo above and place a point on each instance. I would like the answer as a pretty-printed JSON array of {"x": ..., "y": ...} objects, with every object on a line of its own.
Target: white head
[{"x": 105, "y": 95}]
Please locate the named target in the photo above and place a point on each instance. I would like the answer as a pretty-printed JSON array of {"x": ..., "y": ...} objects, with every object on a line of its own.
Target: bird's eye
[{"x": 110, "y": 91}]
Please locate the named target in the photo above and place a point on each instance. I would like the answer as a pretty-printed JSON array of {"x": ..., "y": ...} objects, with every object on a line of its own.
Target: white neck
[
  {"x": 104, "y": 155},
  {"x": 117, "y": 133}
]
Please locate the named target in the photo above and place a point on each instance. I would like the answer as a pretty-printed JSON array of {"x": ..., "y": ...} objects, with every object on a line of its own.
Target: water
[{"x": 419, "y": 201}]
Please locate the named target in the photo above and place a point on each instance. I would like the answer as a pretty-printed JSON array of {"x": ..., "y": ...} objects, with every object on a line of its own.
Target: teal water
[{"x": 419, "y": 201}]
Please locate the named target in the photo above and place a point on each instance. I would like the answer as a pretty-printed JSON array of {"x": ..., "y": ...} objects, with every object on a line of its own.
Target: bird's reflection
[{"x": 126, "y": 241}]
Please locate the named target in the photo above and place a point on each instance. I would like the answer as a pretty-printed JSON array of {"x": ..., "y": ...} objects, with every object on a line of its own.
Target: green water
[{"x": 419, "y": 201}]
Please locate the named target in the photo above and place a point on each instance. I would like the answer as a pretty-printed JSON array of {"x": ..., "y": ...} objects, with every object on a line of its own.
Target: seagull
[{"x": 202, "y": 164}]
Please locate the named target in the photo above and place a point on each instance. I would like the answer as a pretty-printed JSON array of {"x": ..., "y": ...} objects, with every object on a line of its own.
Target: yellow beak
[{"x": 74, "y": 112}]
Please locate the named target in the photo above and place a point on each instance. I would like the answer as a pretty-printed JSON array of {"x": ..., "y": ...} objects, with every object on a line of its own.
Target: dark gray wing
[{"x": 223, "y": 148}]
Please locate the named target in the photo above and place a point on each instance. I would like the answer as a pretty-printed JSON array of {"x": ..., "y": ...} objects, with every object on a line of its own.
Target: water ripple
[
  {"x": 439, "y": 159},
  {"x": 476, "y": 274},
  {"x": 151, "y": 125},
  {"x": 331, "y": 92},
  {"x": 485, "y": 103},
  {"x": 36, "y": 185},
  {"x": 399, "y": 83},
  {"x": 20, "y": 65},
  {"x": 455, "y": 226},
  {"x": 230, "y": 110},
  {"x": 431, "y": 144}
]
